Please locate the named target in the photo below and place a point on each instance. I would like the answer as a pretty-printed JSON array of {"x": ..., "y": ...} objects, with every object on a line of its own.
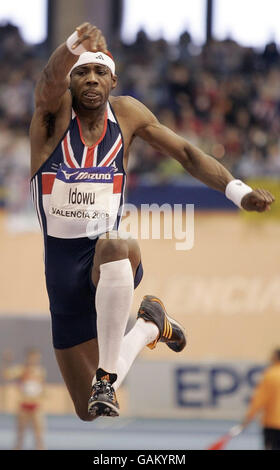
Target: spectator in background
[
  {"x": 266, "y": 400},
  {"x": 271, "y": 55},
  {"x": 30, "y": 378}
]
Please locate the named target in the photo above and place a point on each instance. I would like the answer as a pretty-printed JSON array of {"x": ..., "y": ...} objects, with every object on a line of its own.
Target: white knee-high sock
[
  {"x": 113, "y": 301},
  {"x": 139, "y": 336}
]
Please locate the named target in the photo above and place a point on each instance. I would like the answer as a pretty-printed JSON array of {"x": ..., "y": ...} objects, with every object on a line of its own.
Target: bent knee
[
  {"x": 112, "y": 250},
  {"x": 108, "y": 250}
]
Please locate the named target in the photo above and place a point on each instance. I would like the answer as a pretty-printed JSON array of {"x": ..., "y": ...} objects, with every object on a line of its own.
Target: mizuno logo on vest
[
  {"x": 68, "y": 175},
  {"x": 93, "y": 176}
]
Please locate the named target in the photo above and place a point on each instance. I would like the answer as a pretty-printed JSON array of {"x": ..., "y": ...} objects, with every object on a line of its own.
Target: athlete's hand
[
  {"x": 91, "y": 37},
  {"x": 258, "y": 200}
]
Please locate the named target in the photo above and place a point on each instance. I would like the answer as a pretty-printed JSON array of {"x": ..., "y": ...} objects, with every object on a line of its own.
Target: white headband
[{"x": 95, "y": 58}]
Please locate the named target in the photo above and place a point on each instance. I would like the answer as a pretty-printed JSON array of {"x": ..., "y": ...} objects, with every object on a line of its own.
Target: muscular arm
[
  {"x": 53, "y": 100},
  {"x": 52, "y": 106},
  {"x": 200, "y": 165},
  {"x": 54, "y": 82}
]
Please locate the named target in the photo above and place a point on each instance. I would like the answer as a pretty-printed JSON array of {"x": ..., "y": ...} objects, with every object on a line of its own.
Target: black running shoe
[
  {"x": 103, "y": 400},
  {"x": 170, "y": 332}
]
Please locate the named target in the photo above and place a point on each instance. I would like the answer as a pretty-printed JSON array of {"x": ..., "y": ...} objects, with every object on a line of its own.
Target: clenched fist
[
  {"x": 258, "y": 200},
  {"x": 91, "y": 38}
]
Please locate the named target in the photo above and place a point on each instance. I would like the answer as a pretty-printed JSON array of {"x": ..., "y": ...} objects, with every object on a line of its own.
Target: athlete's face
[{"x": 91, "y": 85}]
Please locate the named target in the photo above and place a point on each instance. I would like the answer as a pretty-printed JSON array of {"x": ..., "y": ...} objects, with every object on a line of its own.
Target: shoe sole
[{"x": 101, "y": 408}]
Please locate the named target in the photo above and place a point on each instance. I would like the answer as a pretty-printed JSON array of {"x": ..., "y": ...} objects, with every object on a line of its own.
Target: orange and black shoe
[
  {"x": 103, "y": 400},
  {"x": 170, "y": 332}
]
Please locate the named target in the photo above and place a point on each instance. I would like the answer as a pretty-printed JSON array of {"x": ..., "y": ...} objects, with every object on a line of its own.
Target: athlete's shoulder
[
  {"x": 126, "y": 103},
  {"x": 131, "y": 109}
]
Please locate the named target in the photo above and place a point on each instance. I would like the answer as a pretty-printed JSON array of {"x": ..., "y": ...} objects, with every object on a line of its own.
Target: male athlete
[{"x": 80, "y": 140}]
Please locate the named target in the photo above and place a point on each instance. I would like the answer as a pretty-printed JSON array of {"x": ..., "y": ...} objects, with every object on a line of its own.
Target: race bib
[{"x": 83, "y": 194}]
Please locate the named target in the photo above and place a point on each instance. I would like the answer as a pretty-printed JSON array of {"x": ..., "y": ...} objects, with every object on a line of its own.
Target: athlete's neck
[{"x": 90, "y": 118}]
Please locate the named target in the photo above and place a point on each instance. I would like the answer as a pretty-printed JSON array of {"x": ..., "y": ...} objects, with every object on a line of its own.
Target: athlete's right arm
[{"x": 54, "y": 80}]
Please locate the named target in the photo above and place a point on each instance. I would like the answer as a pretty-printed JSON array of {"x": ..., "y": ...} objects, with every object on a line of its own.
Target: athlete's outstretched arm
[
  {"x": 54, "y": 80},
  {"x": 200, "y": 165}
]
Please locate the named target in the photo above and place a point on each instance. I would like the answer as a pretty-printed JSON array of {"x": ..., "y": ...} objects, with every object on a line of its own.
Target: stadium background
[{"x": 225, "y": 98}]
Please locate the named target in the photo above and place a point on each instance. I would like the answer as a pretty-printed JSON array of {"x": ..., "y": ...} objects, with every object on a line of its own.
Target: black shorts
[
  {"x": 271, "y": 438},
  {"x": 68, "y": 266}
]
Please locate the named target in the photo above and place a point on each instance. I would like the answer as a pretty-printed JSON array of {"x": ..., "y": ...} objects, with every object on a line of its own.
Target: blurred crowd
[
  {"x": 222, "y": 97},
  {"x": 20, "y": 65}
]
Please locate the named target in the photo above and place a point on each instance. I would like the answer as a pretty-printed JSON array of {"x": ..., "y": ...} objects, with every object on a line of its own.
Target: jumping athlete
[{"x": 80, "y": 140}]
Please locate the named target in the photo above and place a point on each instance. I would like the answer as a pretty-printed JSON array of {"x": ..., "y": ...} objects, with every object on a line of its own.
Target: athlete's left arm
[{"x": 200, "y": 165}]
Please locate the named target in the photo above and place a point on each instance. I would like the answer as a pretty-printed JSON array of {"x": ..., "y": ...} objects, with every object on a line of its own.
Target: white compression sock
[
  {"x": 140, "y": 335},
  {"x": 113, "y": 301}
]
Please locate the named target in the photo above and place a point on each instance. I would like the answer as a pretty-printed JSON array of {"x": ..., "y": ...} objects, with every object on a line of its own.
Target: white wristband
[
  {"x": 236, "y": 190},
  {"x": 71, "y": 40}
]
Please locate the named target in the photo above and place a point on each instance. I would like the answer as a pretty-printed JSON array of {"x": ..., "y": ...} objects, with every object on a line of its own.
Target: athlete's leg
[
  {"x": 115, "y": 264},
  {"x": 152, "y": 325},
  {"x": 38, "y": 425},
  {"x": 114, "y": 249},
  {"x": 22, "y": 423},
  {"x": 142, "y": 334},
  {"x": 78, "y": 365}
]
